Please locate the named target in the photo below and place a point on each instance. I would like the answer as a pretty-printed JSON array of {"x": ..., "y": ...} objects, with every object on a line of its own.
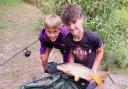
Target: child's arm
[
  {"x": 44, "y": 51},
  {"x": 44, "y": 58},
  {"x": 71, "y": 57},
  {"x": 99, "y": 57}
]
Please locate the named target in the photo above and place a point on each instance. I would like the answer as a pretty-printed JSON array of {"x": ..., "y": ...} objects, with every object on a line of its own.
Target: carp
[{"x": 80, "y": 71}]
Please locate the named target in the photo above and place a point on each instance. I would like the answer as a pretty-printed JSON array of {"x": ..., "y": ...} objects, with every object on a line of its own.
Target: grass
[
  {"x": 10, "y": 2},
  {"x": 37, "y": 23}
]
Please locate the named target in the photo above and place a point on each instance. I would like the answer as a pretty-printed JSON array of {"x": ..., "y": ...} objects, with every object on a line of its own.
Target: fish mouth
[
  {"x": 61, "y": 63},
  {"x": 59, "y": 67}
]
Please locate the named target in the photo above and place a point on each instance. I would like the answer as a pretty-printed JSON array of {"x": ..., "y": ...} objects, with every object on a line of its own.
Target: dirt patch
[{"x": 16, "y": 32}]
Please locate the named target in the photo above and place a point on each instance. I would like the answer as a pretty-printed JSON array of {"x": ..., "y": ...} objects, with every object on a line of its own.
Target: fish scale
[{"x": 80, "y": 71}]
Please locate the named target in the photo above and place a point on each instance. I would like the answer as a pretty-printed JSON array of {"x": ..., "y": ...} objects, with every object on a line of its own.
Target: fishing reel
[{"x": 27, "y": 53}]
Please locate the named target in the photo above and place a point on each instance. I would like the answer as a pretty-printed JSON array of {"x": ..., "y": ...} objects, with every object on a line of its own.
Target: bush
[{"x": 112, "y": 25}]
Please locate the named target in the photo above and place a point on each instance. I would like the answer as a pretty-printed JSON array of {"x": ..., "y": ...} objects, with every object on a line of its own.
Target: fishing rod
[
  {"x": 111, "y": 79},
  {"x": 27, "y": 53},
  {"x": 115, "y": 82}
]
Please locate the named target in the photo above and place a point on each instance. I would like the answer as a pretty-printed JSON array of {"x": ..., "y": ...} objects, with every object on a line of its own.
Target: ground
[{"x": 17, "y": 31}]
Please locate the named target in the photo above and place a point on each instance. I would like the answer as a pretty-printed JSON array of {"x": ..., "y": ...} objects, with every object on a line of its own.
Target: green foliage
[
  {"x": 48, "y": 6},
  {"x": 116, "y": 59},
  {"x": 116, "y": 39},
  {"x": 37, "y": 23},
  {"x": 114, "y": 31},
  {"x": 55, "y": 6},
  {"x": 9, "y": 2}
]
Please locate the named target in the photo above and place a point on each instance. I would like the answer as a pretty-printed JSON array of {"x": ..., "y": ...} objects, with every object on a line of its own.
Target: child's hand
[
  {"x": 88, "y": 79},
  {"x": 94, "y": 70}
]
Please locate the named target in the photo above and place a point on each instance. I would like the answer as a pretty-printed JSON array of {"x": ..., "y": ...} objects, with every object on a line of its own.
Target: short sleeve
[
  {"x": 97, "y": 41},
  {"x": 64, "y": 31}
]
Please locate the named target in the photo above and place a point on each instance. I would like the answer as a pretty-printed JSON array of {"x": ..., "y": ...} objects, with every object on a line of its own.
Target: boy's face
[
  {"x": 75, "y": 26},
  {"x": 52, "y": 33}
]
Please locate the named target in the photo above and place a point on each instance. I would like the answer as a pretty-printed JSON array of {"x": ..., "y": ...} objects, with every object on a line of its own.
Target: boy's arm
[
  {"x": 71, "y": 57},
  {"x": 99, "y": 57},
  {"x": 44, "y": 58},
  {"x": 44, "y": 51}
]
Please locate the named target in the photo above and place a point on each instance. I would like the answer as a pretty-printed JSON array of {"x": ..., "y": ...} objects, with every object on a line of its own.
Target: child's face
[
  {"x": 75, "y": 26},
  {"x": 52, "y": 33}
]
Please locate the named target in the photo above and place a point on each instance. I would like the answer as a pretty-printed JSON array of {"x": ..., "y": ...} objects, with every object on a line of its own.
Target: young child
[
  {"x": 52, "y": 35},
  {"x": 86, "y": 46}
]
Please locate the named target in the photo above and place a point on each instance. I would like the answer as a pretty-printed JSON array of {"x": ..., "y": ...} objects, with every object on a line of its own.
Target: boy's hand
[
  {"x": 94, "y": 70},
  {"x": 88, "y": 79}
]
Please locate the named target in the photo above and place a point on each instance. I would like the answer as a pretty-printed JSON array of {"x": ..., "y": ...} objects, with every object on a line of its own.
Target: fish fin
[
  {"x": 76, "y": 78},
  {"x": 99, "y": 80}
]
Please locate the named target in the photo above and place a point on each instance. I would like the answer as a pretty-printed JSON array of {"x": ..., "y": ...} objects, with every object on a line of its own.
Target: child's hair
[
  {"x": 52, "y": 21},
  {"x": 71, "y": 12}
]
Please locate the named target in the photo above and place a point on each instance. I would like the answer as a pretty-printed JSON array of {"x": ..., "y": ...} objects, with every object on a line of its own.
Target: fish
[{"x": 80, "y": 71}]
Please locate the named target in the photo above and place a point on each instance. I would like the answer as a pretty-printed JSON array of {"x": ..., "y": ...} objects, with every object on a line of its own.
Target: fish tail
[{"x": 99, "y": 80}]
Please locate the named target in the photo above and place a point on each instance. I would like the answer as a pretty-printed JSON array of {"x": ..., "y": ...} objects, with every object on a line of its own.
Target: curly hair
[{"x": 71, "y": 12}]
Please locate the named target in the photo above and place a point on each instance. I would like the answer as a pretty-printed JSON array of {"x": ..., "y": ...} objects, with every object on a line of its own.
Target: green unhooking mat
[{"x": 55, "y": 81}]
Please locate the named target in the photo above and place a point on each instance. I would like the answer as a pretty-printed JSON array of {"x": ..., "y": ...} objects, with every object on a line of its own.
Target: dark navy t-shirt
[{"x": 84, "y": 51}]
